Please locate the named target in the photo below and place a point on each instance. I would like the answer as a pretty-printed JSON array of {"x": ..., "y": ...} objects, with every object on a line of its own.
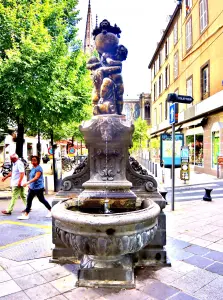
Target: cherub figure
[{"x": 107, "y": 96}]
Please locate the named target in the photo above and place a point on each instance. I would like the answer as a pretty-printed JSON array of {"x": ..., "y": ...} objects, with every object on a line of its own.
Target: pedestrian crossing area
[{"x": 196, "y": 192}]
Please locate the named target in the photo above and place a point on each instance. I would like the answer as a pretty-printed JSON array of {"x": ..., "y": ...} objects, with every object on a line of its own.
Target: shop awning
[
  {"x": 192, "y": 123},
  {"x": 176, "y": 129}
]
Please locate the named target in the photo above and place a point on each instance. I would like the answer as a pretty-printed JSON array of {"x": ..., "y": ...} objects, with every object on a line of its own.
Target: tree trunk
[
  {"x": 20, "y": 139},
  {"x": 39, "y": 145},
  {"x": 54, "y": 164}
]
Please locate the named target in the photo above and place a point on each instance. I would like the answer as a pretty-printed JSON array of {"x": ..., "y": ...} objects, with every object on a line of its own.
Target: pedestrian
[
  {"x": 17, "y": 181},
  {"x": 36, "y": 188}
]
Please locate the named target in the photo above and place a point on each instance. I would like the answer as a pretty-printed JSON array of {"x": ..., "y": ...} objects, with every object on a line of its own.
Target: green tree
[
  {"x": 43, "y": 77},
  {"x": 140, "y": 135}
]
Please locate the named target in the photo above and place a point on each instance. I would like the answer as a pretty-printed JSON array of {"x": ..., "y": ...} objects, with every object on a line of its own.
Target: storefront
[
  {"x": 204, "y": 137},
  {"x": 195, "y": 142}
]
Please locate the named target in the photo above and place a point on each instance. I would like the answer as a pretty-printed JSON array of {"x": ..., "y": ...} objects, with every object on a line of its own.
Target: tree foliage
[
  {"x": 140, "y": 135},
  {"x": 43, "y": 78}
]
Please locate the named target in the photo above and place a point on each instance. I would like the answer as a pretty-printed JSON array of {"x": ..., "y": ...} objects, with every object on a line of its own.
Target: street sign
[
  {"x": 179, "y": 98},
  {"x": 50, "y": 150},
  {"x": 173, "y": 117},
  {"x": 71, "y": 151}
]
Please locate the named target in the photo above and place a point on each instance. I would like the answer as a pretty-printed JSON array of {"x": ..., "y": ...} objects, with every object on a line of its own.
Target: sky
[{"x": 141, "y": 22}]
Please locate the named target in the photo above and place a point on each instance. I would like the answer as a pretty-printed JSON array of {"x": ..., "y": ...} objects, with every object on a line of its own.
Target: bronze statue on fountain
[{"x": 107, "y": 95}]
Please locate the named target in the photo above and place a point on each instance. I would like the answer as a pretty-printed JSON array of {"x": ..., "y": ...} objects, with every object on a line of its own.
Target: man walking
[{"x": 17, "y": 181}]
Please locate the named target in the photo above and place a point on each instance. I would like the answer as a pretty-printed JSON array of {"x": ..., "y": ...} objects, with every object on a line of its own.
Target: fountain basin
[{"x": 105, "y": 235}]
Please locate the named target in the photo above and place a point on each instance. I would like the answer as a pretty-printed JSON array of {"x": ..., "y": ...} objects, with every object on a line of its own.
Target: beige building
[{"x": 189, "y": 61}]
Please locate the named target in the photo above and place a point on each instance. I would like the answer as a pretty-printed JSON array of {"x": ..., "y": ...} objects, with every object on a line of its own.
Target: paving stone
[
  {"x": 29, "y": 281},
  {"x": 201, "y": 242},
  {"x": 187, "y": 284},
  {"x": 199, "y": 261},
  {"x": 16, "y": 296},
  {"x": 65, "y": 284},
  {"x": 59, "y": 297},
  {"x": 220, "y": 242},
  {"x": 159, "y": 290},
  {"x": 181, "y": 267},
  {"x": 216, "y": 268},
  {"x": 182, "y": 296},
  {"x": 202, "y": 275},
  {"x": 16, "y": 272},
  {"x": 82, "y": 293},
  {"x": 218, "y": 232},
  {"x": 194, "y": 280},
  {"x": 8, "y": 287},
  {"x": 42, "y": 264},
  {"x": 166, "y": 275},
  {"x": 210, "y": 237},
  {"x": 217, "y": 283},
  {"x": 4, "y": 276},
  {"x": 42, "y": 292},
  {"x": 178, "y": 244},
  {"x": 54, "y": 273},
  {"x": 178, "y": 254},
  {"x": 216, "y": 247},
  {"x": 209, "y": 293},
  {"x": 185, "y": 237},
  {"x": 127, "y": 294},
  {"x": 215, "y": 255},
  {"x": 197, "y": 250}
]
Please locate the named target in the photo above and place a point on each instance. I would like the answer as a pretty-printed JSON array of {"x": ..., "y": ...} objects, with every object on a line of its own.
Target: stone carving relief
[
  {"x": 81, "y": 174},
  {"x": 139, "y": 177},
  {"x": 107, "y": 245},
  {"x": 108, "y": 127},
  {"x": 107, "y": 163}
]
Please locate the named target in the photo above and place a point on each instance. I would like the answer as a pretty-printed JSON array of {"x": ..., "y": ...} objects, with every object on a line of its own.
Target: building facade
[
  {"x": 189, "y": 61},
  {"x": 131, "y": 109},
  {"x": 145, "y": 107}
]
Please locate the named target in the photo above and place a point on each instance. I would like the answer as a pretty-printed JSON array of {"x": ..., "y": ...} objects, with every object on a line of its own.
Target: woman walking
[{"x": 36, "y": 188}]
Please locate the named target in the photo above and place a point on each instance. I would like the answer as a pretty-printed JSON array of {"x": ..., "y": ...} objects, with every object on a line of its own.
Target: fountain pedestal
[{"x": 108, "y": 139}]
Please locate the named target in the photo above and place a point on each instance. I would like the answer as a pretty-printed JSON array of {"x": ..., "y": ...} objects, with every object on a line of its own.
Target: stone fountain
[{"x": 108, "y": 214}]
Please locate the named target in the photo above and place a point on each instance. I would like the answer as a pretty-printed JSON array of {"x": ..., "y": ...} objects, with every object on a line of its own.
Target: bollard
[
  {"x": 155, "y": 170},
  {"x": 207, "y": 195},
  {"x": 163, "y": 194},
  {"x": 46, "y": 185},
  {"x": 163, "y": 175}
]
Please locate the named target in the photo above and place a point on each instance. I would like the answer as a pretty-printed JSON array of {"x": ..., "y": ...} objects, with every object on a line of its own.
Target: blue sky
[{"x": 141, "y": 22}]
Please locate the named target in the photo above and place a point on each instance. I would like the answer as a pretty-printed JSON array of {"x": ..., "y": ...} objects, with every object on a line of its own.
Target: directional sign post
[
  {"x": 179, "y": 98},
  {"x": 175, "y": 99},
  {"x": 173, "y": 118}
]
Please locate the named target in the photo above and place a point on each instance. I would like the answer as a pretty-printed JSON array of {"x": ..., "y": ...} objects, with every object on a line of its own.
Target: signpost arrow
[{"x": 179, "y": 98}]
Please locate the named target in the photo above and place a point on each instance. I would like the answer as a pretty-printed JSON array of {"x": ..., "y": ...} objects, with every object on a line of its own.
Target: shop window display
[
  {"x": 195, "y": 144},
  {"x": 215, "y": 148}
]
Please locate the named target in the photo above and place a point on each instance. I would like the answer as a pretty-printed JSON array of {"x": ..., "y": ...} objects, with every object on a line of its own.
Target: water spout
[{"x": 106, "y": 207}]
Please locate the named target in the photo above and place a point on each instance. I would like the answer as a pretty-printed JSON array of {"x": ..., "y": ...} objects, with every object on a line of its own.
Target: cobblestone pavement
[{"x": 195, "y": 249}]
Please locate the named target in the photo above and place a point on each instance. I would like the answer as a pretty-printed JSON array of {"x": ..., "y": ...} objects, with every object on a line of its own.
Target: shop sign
[
  {"x": 166, "y": 149},
  {"x": 220, "y": 160}
]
